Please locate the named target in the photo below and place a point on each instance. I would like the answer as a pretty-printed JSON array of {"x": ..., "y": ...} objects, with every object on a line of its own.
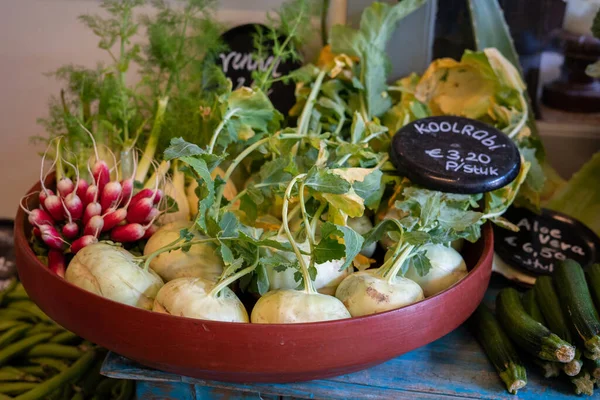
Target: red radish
[
  {"x": 65, "y": 186},
  {"x": 101, "y": 174},
  {"x": 150, "y": 231},
  {"x": 44, "y": 195},
  {"x": 114, "y": 218},
  {"x": 94, "y": 226},
  {"x": 36, "y": 232},
  {"x": 74, "y": 205},
  {"x": 91, "y": 194},
  {"x": 142, "y": 194},
  {"x": 127, "y": 233},
  {"x": 127, "y": 191},
  {"x": 92, "y": 209},
  {"x": 38, "y": 217},
  {"x": 82, "y": 187},
  {"x": 70, "y": 230},
  {"x": 56, "y": 262},
  {"x": 51, "y": 237},
  {"x": 152, "y": 215},
  {"x": 140, "y": 211},
  {"x": 54, "y": 205},
  {"x": 110, "y": 195},
  {"x": 82, "y": 242}
]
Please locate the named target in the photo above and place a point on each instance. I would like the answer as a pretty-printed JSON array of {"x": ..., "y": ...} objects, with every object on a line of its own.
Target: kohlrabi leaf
[
  {"x": 421, "y": 263},
  {"x": 205, "y": 189},
  {"x": 349, "y": 203},
  {"x": 323, "y": 181},
  {"x": 353, "y": 242},
  {"x": 180, "y": 148},
  {"x": 329, "y": 249},
  {"x": 229, "y": 225},
  {"x": 375, "y": 234}
]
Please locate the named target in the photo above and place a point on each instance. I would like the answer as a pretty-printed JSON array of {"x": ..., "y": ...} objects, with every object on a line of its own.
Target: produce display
[
  {"x": 555, "y": 325},
  {"x": 41, "y": 360},
  {"x": 235, "y": 212}
]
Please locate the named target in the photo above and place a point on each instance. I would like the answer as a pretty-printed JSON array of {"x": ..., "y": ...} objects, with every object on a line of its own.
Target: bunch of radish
[{"x": 80, "y": 211}]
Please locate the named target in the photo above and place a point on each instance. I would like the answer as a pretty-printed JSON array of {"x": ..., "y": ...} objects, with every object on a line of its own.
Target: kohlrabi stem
[
  {"x": 150, "y": 150},
  {"x": 310, "y": 102},
  {"x": 309, "y": 232},
  {"x": 226, "y": 118},
  {"x": 232, "y": 167},
  {"x": 308, "y": 284},
  {"x": 405, "y": 253},
  {"x": 225, "y": 282},
  {"x": 313, "y": 224},
  {"x": 175, "y": 245},
  {"x": 523, "y": 119},
  {"x": 292, "y": 214},
  {"x": 243, "y": 192}
]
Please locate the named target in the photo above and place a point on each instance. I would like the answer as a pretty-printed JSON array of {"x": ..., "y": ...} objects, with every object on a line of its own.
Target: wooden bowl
[{"x": 246, "y": 352}]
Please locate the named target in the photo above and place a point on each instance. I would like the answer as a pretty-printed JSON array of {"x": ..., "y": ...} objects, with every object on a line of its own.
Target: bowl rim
[{"x": 20, "y": 238}]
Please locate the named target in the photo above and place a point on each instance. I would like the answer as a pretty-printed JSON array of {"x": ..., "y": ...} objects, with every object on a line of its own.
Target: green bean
[
  {"x": 21, "y": 346},
  {"x": 9, "y": 313},
  {"x": 13, "y": 334},
  {"x": 43, "y": 327},
  {"x": 5, "y": 397},
  {"x": 29, "y": 307},
  {"x": 89, "y": 382},
  {"x": 35, "y": 370},
  {"x": 72, "y": 374},
  {"x": 54, "y": 350},
  {"x": 13, "y": 374},
  {"x": 16, "y": 387},
  {"x": 50, "y": 362},
  {"x": 7, "y": 324},
  {"x": 65, "y": 337},
  {"x": 105, "y": 387}
]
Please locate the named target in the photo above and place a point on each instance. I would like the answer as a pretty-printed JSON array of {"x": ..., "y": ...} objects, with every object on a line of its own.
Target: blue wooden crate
[{"x": 453, "y": 367}]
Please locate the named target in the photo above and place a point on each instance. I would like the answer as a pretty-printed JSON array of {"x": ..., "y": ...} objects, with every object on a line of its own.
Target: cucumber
[
  {"x": 556, "y": 321},
  {"x": 577, "y": 303},
  {"x": 593, "y": 280},
  {"x": 529, "y": 334},
  {"x": 550, "y": 369},
  {"x": 498, "y": 348}
]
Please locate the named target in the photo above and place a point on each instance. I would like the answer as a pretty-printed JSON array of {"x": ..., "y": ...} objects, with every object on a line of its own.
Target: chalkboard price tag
[
  {"x": 454, "y": 154},
  {"x": 545, "y": 239},
  {"x": 239, "y": 60}
]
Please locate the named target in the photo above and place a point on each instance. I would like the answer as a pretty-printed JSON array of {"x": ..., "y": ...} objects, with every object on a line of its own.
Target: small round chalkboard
[
  {"x": 456, "y": 155},
  {"x": 240, "y": 60},
  {"x": 543, "y": 240}
]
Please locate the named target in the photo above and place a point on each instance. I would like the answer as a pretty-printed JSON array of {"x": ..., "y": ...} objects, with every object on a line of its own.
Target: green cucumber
[
  {"x": 556, "y": 320},
  {"x": 529, "y": 334},
  {"x": 593, "y": 280},
  {"x": 577, "y": 303},
  {"x": 498, "y": 348}
]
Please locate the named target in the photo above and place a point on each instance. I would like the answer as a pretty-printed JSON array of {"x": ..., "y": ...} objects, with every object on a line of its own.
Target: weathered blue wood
[{"x": 453, "y": 367}]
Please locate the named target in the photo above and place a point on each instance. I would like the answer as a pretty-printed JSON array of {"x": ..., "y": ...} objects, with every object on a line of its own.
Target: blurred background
[{"x": 39, "y": 36}]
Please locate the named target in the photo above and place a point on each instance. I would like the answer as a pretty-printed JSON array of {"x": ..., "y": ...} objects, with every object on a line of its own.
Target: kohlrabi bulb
[
  {"x": 447, "y": 268},
  {"x": 366, "y": 292},
  {"x": 189, "y": 297},
  {"x": 201, "y": 260},
  {"x": 294, "y": 306},
  {"x": 362, "y": 225},
  {"x": 110, "y": 271}
]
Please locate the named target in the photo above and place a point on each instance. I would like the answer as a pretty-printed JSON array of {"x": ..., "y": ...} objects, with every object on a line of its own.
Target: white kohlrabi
[
  {"x": 447, "y": 268},
  {"x": 112, "y": 272},
  {"x": 372, "y": 291},
  {"x": 201, "y": 299},
  {"x": 297, "y": 306},
  {"x": 201, "y": 260}
]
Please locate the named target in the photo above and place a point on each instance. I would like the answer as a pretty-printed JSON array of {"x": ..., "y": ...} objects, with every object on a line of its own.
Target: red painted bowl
[{"x": 253, "y": 353}]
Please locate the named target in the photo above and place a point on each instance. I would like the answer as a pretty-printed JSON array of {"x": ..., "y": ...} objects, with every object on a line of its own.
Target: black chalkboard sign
[
  {"x": 240, "y": 60},
  {"x": 454, "y": 154},
  {"x": 545, "y": 239}
]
